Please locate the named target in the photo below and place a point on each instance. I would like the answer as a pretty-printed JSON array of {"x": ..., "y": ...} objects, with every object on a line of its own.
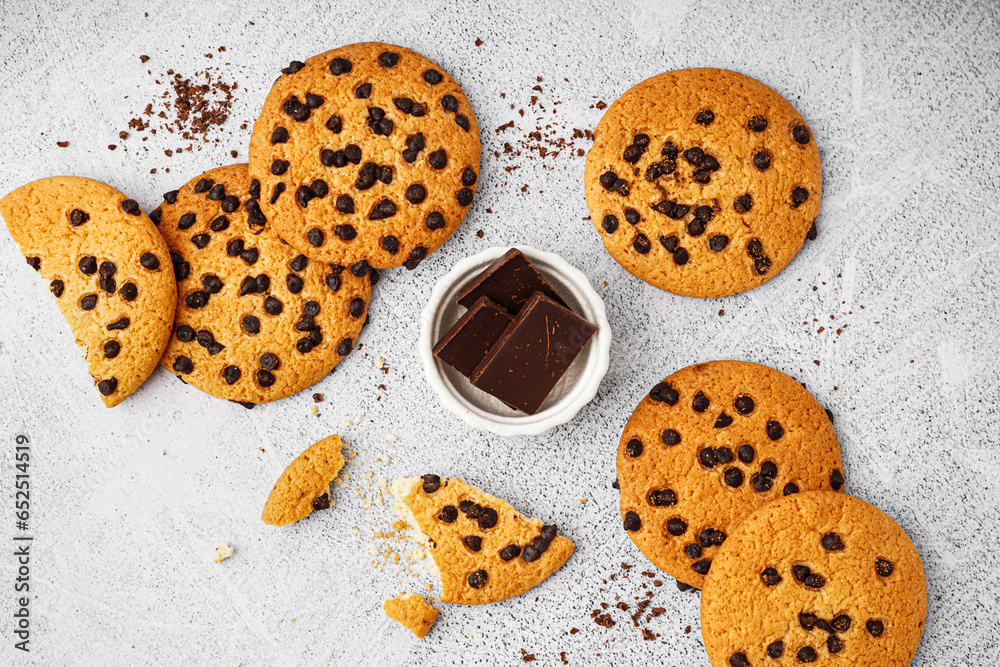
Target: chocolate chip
[
  {"x": 248, "y": 286},
  {"x": 769, "y": 469},
  {"x": 701, "y": 176},
  {"x": 278, "y": 189},
  {"x": 633, "y": 448},
  {"x": 200, "y": 240},
  {"x": 632, "y": 522},
  {"x": 608, "y": 180},
  {"x": 641, "y": 244},
  {"x": 293, "y": 67},
  {"x": 762, "y": 160},
  {"x": 836, "y": 480},
  {"x": 510, "y": 552},
  {"x": 841, "y": 623},
  {"x": 824, "y": 626},
  {"x": 610, "y": 223},
  {"x": 478, "y": 579},
  {"x": 710, "y": 163},
  {"x": 382, "y": 210},
  {"x": 303, "y": 195},
  {"x": 217, "y": 193},
  {"x": 770, "y": 577},
  {"x": 304, "y": 345},
  {"x": 469, "y": 177},
  {"x": 432, "y": 76},
  {"x": 707, "y": 457},
  {"x": 676, "y": 526},
  {"x": 332, "y": 281},
  {"x": 832, "y": 542},
  {"x": 711, "y": 537},
  {"x": 235, "y": 248},
  {"x": 531, "y": 553},
  {"x": 111, "y": 349},
  {"x": 131, "y": 207},
  {"x": 806, "y": 654},
  {"x": 250, "y": 256},
  {"x": 693, "y": 551},
  {"x": 833, "y": 644},
  {"x": 774, "y": 430},
  {"x": 360, "y": 268},
  {"x": 265, "y": 378},
  {"x": 462, "y": 122},
  {"x": 807, "y": 621},
  {"x": 345, "y": 346},
  {"x": 760, "y": 483},
  {"x": 621, "y": 187},
  {"x": 87, "y": 265},
  {"x": 357, "y": 307},
  {"x": 228, "y": 205},
  {"x": 669, "y": 243},
  {"x": 702, "y": 566},
  {"x": 219, "y": 224},
  {"x": 790, "y": 488},
  {"x": 738, "y": 659},
  {"x": 884, "y": 567},
  {"x": 761, "y": 265},
  {"x": 723, "y": 455},
  {"x": 129, "y": 291},
  {"x": 801, "y": 134},
  {"x": 488, "y": 518},
  {"x": 364, "y": 91},
  {"x": 340, "y": 66},
  {"x": 723, "y": 420},
  {"x": 662, "y": 498},
  {"x": 464, "y": 197},
  {"x": 681, "y": 256},
  {"x": 743, "y": 203},
  {"x": 757, "y": 124},
  {"x": 273, "y": 306},
  {"x": 416, "y": 193},
  {"x": 294, "y": 283},
  {"x": 231, "y": 374},
  {"x": 814, "y": 581},
  {"x": 775, "y": 649},
  {"x": 696, "y": 227},
  {"x": 438, "y": 159},
  {"x": 733, "y": 477},
  {"x": 799, "y": 197},
  {"x": 664, "y": 393},
  {"x": 705, "y": 117},
  {"x": 205, "y": 338},
  {"x": 149, "y": 261},
  {"x": 315, "y": 237},
  {"x": 155, "y": 216},
  {"x": 107, "y": 387},
  {"x": 718, "y": 242},
  {"x": 183, "y": 365},
  {"x": 197, "y": 299},
  {"x": 473, "y": 542}
]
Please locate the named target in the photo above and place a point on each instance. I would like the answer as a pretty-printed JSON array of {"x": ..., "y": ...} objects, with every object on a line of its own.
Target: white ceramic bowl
[{"x": 573, "y": 391}]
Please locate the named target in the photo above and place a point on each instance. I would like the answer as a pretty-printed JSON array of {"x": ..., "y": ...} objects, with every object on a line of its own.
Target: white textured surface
[{"x": 129, "y": 503}]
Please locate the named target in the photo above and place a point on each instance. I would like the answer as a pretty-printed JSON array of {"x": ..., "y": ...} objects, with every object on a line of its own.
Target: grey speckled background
[{"x": 129, "y": 503}]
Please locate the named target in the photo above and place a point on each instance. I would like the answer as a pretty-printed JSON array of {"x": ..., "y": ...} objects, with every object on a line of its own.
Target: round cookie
[
  {"x": 819, "y": 578},
  {"x": 708, "y": 446},
  {"x": 108, "y": 269},
  {"x": 703, "y": 182},
  {"x": 366, "y": 153},
  {"x": 256, "y": 321}
]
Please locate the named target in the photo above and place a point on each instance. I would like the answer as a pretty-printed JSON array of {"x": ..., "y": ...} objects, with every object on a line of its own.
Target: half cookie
[
  {"x": 708, "y": 446},
  {"x": 484, "y": 550},
  {"x": 819, "y": 578},
  {"x": 703, "y": 182},
  {"x": 305, "y": 484},
  {"x": 256, "y": 321},
  {"x": 109, "y": 271},
  {"x": 366, "y": 153}
]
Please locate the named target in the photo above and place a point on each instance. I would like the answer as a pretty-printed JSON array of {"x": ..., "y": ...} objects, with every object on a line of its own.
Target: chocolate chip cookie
[
  {"x": 703, "y": 182},
  {"x": 108, "y": 269},
  {"x": 485, "y": 550},
  {"x": 817, "y": 577},
  {"x": 708, "y": 446},
  {"x": 256, "y": 320},
  {"x": 304, "y": 486},
  {"x": 366, "y": 153}
]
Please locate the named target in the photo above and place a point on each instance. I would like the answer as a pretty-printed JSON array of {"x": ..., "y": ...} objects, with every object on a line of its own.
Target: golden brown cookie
[
  {"x": 708, "y": 446},
  {"x": 305, "y": 484},
  {"x": 366, "y": 153},
  {"x": 108, "y": 269},
  {"x": 817, "y": 577},
  {"x": 256, "y": 321},
  {"x": 485, "y": 551},
  {"x": 703, "y": 182},
  {"x": 412, "y": 612}
]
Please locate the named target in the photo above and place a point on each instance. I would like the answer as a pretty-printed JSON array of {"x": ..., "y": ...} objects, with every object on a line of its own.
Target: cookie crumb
[
  {"x": 479, "y": 42},
  {"x": 222, "y": 552},
  {"x": 62, "y": 144},
  {"x": 144, "y": 59},
  {"x": 317, "y": 398},
  {"x": 112, "y": 147}
]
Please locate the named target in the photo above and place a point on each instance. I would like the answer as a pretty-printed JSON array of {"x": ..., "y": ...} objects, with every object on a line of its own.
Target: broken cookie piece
[
  {"x": 484, "y": 550},
  {"x": 305, "y": 484},
  {"x": 412, "y": 612},
  {"x": 222, "y": 552}
]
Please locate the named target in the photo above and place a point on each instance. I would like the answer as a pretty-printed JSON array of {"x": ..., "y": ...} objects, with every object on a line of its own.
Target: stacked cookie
[
  {"x": 730, "y": 476},
  {"x": 364, "y": 157}
]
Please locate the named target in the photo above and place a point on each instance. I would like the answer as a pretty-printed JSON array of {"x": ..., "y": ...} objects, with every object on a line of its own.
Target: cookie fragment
[
  {"x": 304, "y": 486},
  {"x": 484, "y": 550},
  {"x": 222, "y": 552},
  {"x": 412, "y": 612},
  {"x": 86, "y": 239}
]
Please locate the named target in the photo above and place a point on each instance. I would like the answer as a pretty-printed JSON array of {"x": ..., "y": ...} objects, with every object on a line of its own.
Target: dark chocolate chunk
[
  {"x": 841, "y": 623},
  {"x": 382, "y": 210},
  {"x": 250, "y": 256},
  {"x": 265, "y": 378},
  {"x": 357, "y": 307},
  {"x": 762, "y": 160},
  {"x": 632, "y": 216},
  {"x": 473, "y": 542},
  {"x": 294, "y": 283},
  {"x": 87, "y": 265},
  {"x": 345, "y": 346},
  {"x": 448, "y": 514},
  {"x": 273, "y": 306},
  {"x": 669, "y": 243},
  {"x": 745, "y": 453},
  {"x": 200, "y": 240},
  {"x": 78, "y": 217},
  {"x": 231, "y": 374},
  {"x": 416, "y": 193},
  {"x": 760, "y": 483},
  {"x": 471, "y": 337},
  {"x": 57, "y": 287},
  {"x": 364, "y": 91},
  {"x": 131, "y": 207},
  {"x": 111, "y": 349},
  {"x": 360, "y": 268},
  {"x": 641, "y": 244},
  {"x": 464, "y": 197},
  {"x": 662, "y": 498},
  {"x": 278, "y": 189},
  {"x": 723, "y": 455},
  {"x": 807, "y": 621},
  {"x": 462, "y": 121},
  {"x": 250, "y": 324},
  {"x": 432, "y": 76},
  {"x": 834, "y": 644},
  {"x": 874, "y": 627},
  {"x": 718, "y": 242},
  {"x": 509, "y": 282},
  {"x": 769, "y": 469},
  {"x": 488, "y": 518},
  {"x": 707, "y": 457},
  {"x": 220, "y": 224}
]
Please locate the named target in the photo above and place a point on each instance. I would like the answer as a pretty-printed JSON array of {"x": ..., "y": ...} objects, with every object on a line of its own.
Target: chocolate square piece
[
  {"x": 468, "y": 341},
  {"x": 533, "y": 354},
  {"x": 509, "y": 281}
]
